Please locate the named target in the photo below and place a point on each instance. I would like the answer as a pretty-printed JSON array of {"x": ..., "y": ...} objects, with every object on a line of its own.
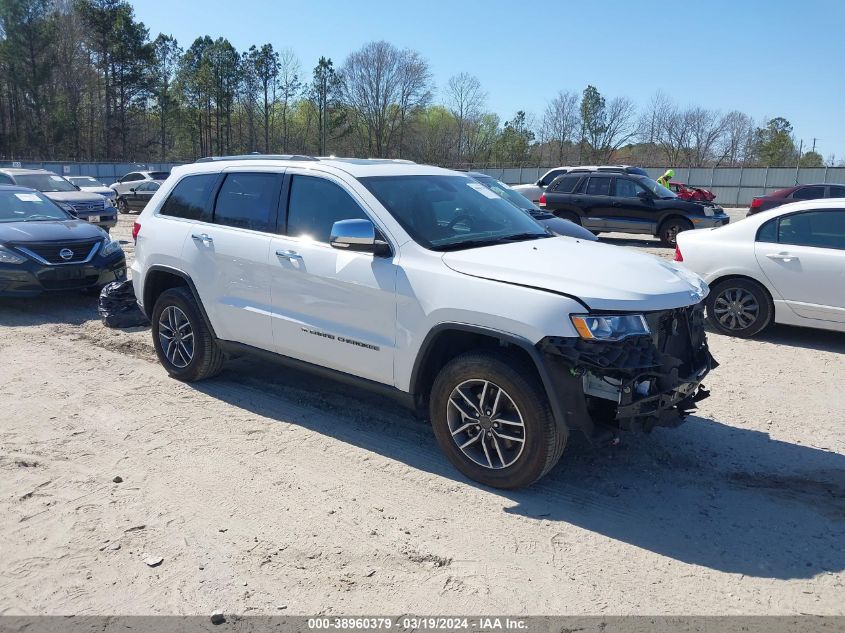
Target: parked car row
[{"x": 43, "y": 247}]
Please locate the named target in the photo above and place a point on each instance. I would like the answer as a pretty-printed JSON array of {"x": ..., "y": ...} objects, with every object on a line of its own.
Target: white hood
[{"x": 603, "y": 276}]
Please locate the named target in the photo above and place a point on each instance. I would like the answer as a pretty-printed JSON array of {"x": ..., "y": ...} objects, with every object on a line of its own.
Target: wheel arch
[
  {"x": 160, "y": 278},
  {"x": 448, "y": 340},
  {"x": 671, "y": 215},
  {"x": 762, "y": 284}
]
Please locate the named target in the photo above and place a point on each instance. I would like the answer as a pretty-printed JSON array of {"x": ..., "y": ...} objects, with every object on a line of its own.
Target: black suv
[{"x": 627, "y": 203}]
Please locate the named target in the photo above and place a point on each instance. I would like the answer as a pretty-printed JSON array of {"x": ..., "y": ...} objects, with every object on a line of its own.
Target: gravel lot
[{"x": 264, "y": 489}]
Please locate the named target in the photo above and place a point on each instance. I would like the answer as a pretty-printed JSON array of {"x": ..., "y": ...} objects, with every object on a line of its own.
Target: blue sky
[{"x": 766, "y": 58}]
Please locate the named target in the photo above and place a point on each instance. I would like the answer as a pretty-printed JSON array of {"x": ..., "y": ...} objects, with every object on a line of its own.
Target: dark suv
[{"x": 627, "y": 203}]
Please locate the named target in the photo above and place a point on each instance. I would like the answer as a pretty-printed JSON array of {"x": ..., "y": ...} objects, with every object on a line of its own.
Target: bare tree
[
  {"x": 465, "y": 100},
  {"x": 737, "y": 138},
  {"x": 620, "y": 127},
  {"x": 290, "y": 86},
  {"x": 706, "y": 128},
  {"x": 560, "y": 122},
  {"x": 382, "y": 84}
]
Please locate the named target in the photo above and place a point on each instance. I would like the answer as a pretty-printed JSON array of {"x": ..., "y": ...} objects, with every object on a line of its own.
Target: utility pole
[{"x": 798, "y": 164}]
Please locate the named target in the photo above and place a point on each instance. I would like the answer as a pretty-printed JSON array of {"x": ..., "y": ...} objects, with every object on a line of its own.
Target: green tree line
[{"x": 84, "y": 80}]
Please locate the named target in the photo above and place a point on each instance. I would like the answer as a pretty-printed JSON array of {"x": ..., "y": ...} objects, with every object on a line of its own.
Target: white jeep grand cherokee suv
[{"x": 419, "y": 282}]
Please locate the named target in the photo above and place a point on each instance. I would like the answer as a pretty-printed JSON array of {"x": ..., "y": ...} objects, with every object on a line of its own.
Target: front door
[
  {"x": 630, "y": 210},
  {"x": 806, "y": 265},
  {"x": 331, "y": 307}
]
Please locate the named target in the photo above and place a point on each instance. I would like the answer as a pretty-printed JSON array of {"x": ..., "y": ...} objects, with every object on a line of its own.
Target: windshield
[
  {"x": 28, "y": 206},
  {"x": 86, "y": 181},
  {"x": 451, "y": 212},
  {"x": 506, "y": 192},
  {"x": 44, "y": 182},
  {"x": 656, "y": 188},
  {"x": 159, "y": 175}
]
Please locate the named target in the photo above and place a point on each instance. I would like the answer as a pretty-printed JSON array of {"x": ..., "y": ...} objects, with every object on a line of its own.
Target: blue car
[{"x": 44, "y": 248}]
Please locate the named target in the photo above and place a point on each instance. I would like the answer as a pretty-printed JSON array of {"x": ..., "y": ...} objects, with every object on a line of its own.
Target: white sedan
[{"x": 785, "y": 265}]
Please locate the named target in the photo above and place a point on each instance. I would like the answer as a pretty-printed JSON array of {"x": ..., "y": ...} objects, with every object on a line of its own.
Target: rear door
[
  {"x": 803, "y": 256},
  {"x": 331, "y": 307},
  {"x": 227, "y": 254},
  {"x": 594, "y": 202}
]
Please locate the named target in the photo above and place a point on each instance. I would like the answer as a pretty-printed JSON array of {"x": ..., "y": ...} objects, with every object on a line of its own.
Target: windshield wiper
[{"x": 490, "y": 242}]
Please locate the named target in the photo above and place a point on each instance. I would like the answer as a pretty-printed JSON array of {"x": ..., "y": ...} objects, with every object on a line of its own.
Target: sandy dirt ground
[{"x": 265, "y": 491}]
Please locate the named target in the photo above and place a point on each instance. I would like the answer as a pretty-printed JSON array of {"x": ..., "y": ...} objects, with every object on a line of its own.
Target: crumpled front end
[{"x": 638, "y": 382}]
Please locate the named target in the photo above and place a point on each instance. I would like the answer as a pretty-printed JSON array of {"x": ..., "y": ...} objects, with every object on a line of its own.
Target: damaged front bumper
[{"x": 636, "y": 383}]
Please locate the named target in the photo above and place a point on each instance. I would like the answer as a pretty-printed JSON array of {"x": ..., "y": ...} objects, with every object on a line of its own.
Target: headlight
[
  {"x": 108, "y": 204},
  {"x": 10, "y": 257},
  {"x": 110, "y": 248},
  {"x": 609, "y": 327}
]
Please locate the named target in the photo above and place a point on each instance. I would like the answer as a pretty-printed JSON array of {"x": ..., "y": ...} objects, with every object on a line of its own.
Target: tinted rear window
[
  {"x": 159, "y": 175},
  {"x": 598, "y": 186},
  {"x": 808, "y": 193},
  {"x": 565, "y": 184},
  {"x": 189, "y": 198},
  {"x": 248, "y": 201}
]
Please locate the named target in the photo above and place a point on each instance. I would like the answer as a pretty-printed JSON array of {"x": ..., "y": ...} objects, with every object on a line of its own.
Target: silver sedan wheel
[
  {"x": 176, "y": 336},
  {"x": 485, "y": 424},
  {"x": 736, "y": 308}
]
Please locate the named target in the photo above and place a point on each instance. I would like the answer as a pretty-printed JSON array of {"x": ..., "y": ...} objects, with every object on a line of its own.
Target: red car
[
  {"x": 793, "y": 194},
  {"x": 696, "y": 194}
]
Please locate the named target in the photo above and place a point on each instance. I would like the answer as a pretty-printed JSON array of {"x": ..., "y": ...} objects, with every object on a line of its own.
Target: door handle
[
  {"x": 785, "y": 257},
  {"x": 616, "y": 204},
  {"x": 205, "y": 238},
  {"x": 289, "y": 255}
]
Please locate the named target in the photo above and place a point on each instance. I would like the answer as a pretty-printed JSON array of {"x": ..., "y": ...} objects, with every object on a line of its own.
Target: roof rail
[{"x": 256, "y": 156}]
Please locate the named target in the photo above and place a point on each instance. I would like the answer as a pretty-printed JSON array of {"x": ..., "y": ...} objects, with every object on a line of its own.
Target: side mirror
[
  {"x": 357, "y": 235},
  {"x": 539, "y": 183},
  {"x": 132, "y": 190},
  {"x": 644, "y": 195}
]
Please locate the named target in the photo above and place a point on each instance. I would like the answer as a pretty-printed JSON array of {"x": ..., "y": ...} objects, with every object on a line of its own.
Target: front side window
[
  {"x": 248, "y": 201},
  {"x": 822, "y": 229},
  {"x": 44, "y": 182},
  {"x": 451, "y": 212},
  {"x": 626, "y": 188},
  {"x": 837, "y": 192},
  {"x": 189, "y": 198},
  {"x": 656, "y": 188},
  {"x": 547, "y": 179},
  {"x": 566, "y": 184},
  {"x": 315, "y": 204},
  {"x": 598, "y": 186},
  {"x": 6, "y": 180},
  {"x": 808, "y": 193}
]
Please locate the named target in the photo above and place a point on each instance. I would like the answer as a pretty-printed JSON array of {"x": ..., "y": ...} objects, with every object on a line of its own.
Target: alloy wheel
[
  {"x": 176, "y": 336},
  {"x": 736, "y": 308},
  {"x": 485, "y": 424}
]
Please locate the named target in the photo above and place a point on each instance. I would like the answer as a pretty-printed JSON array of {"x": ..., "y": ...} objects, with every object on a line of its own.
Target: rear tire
[
  {"x": 183, "y": 342},
  {"x": 668, "y": 231},
  {"x": 739, "y": 307},
  {"x": 122, "y": 206},
  {"x": 504, "y": 435}
]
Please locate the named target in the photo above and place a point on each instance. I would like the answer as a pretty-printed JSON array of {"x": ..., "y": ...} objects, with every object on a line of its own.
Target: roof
[
  {"x": 15, "y": 188},
  {"x": 356, "y": 167},
  {"x": 22, "y": 171}
]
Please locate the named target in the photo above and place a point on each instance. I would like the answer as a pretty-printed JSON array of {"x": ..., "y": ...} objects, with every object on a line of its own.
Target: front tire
[
  {"x": 122, "y": 206},
  {"x": 739, "y": 307},
  {"x": 492, "y": 419},
  {"x": 668, "y": 232},
  {"x": 183, "y": 342}
]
